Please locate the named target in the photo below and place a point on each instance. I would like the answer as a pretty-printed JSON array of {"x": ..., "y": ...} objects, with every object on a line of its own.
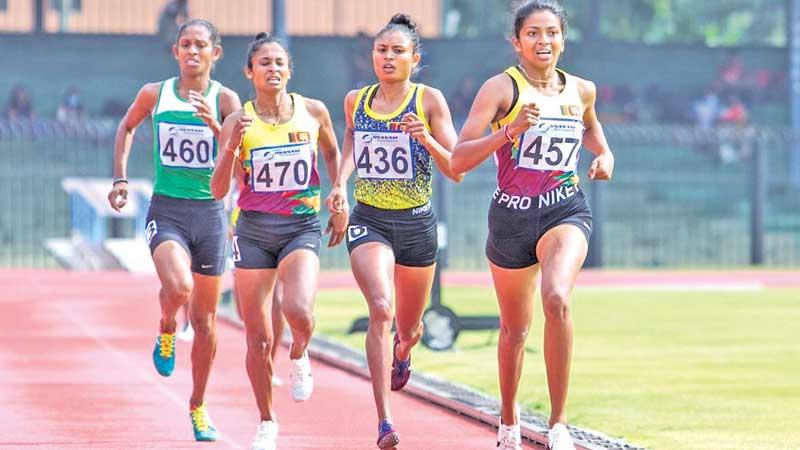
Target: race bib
[
  {"x": 383, "y": 155},
  {"x": 280, "y": 168},
  {"x": 551, "y": 145},
  {"x": 186, "y": 146}
]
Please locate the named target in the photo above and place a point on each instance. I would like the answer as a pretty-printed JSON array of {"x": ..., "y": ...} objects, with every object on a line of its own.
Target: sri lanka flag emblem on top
[
  {"x": 570, "y": 110},
  {"x": 396, "y": 126}
]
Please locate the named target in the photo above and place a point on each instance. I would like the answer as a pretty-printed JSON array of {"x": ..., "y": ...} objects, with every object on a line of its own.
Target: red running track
[{"x": 76, "y": 373}]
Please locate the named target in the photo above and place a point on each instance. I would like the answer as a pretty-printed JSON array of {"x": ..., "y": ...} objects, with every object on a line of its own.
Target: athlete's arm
[
  {"x": 233, "y": 129},
  {"x": 594, "y": 139},
  {"x": 442, "y": 137},
  {"x": 142, "y": 106},
  {"x": 327, "y": 144},
  {"x": 493, "y": 101},
  {"x": 339, "y": 189}
]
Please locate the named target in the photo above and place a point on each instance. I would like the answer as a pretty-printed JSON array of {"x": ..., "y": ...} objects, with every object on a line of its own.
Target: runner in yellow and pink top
[{"x": 271, "y": 145}]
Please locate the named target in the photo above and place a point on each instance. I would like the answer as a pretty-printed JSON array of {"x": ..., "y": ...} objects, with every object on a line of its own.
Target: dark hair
[
  {"x": 216, "y": 40},
  {"x": 525, "y": 8},
  {"x": 261, "y": 40},
  {"x": 402, "y": 22}
]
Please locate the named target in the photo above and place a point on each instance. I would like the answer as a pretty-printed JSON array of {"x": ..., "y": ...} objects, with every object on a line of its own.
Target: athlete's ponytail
[{"x": 262, "y": 39}]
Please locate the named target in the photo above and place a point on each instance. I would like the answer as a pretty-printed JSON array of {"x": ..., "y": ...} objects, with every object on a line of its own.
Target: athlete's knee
[
  {"x": 179, "y": 289},
  {"x": 515, "y": 334},
  {"x": 202, "y": 327},
  {"x": 380, "y": 310},
  {"x": 259, "y": 342},
  {"x": 555, "y": 303}
]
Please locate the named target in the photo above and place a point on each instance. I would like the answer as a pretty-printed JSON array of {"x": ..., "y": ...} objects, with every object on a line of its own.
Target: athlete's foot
[
  {"x": 558, "y": 438},
  {"x": 387, "y": 435},
  {"x": 508, "y": 437},
  {"x": 401, "y": 370},
  {"x": 164, "y": 354},
  {"x": 204, "y": 430},
  {"x": 266, "y": 436},
  {"x": 301, "y": 380}
]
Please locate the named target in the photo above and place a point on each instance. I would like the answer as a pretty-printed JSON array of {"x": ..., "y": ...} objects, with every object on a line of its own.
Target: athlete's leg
[
  {"x": 515, "y": 289},
  {"x": 412, "y": 287},
  {"x": 254, "y": 291},
  {"x": 173, "y": 266},
  {"x": 373, "y": 269},
  {"x": 277, "y": 317},
  {"x": 203, "y": 317},
  {"x": 561, "y": 251},
  {"x": 299, "y": 274}
]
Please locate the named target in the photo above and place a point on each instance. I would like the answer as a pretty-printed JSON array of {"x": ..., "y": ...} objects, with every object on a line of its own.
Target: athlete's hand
[
  {"x": 203, "y": 109},
  {"x": 337, "y": 227},
  {"x": 337, "y": 201},
  {"x": 239, "y": 129},
  {"x": 118, "y": 197},
  {"x": 602, "y": 167},
  {"x": 528, "y": 116},
  {"x": 416, "y": 128}
]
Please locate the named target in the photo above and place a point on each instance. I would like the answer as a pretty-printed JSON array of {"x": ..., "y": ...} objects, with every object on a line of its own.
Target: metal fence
[{"x": 679, "y": 197}]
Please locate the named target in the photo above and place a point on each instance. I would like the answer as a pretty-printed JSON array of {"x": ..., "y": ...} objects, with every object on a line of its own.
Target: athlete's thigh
[
  {"x": 515, "y": 289},
  {"x": 205, "y": 295},
  {"x": 412, "y": 286},
  {"x": 298, "y": 272},
  {"x": 254, "y": 291},
  {"x": 562, "y": 251},
  {"x": 173, "y": 264},
  {"x": 373, "y": 268}
]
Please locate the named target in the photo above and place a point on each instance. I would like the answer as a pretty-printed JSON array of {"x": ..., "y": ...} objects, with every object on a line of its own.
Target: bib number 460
[{"x": 187, "y": 151}]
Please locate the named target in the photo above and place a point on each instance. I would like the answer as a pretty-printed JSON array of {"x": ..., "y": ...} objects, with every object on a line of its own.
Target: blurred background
[{"x": 696, "y": 99}]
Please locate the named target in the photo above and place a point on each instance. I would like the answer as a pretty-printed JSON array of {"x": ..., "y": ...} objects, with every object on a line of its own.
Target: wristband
[{"x": 119, "y": 180}]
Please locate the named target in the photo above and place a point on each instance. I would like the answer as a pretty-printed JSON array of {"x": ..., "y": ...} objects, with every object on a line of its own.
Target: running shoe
[
  {"x": 266, "y": 436},
  {"x": 301, "y": 380},
  {"x": 508, "y": 437},
  {"x": 164, "y": 354},
  {"x": 187, "y": 333},
  {"x": 204, "y": 430},
  {"x": 401, "y": 370},
  {"x": 387, "y": 436},
  {"x": 558, "y": 438}
]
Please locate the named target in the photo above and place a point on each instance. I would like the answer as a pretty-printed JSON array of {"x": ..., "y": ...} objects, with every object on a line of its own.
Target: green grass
[{"x": 663, "y": 370}]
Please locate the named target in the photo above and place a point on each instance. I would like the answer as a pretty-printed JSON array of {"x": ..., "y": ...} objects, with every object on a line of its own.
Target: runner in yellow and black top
[
  {"x": 186, "y": 227},
  {"x": 271, "y": 146},
  {"x": 396, "y": 131}
]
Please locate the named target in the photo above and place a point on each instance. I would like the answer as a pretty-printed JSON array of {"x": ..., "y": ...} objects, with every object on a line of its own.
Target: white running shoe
[
  {"x": 267, "y": 436},
  {"x": 301, "y": 380},
  {"x": 187, "y": 334},
  {"x": 508, "y": 437},
  {"x": 558, "y": 438}
]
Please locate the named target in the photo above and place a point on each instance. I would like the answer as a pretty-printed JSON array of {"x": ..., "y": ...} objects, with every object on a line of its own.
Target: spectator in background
[
  {"x": 706, "y": 110},
  {"x": 174, "y": 13},
  {"x": 19, "y": 104},
  {"x": 71, "y": 110}
]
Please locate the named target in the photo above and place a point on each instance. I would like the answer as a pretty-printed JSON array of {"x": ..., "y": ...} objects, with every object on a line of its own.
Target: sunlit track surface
[{"x": 75, "y": 373}]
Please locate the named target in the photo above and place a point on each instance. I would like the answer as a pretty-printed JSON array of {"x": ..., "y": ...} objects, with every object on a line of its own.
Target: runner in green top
[{"x": 186, "y": 227}]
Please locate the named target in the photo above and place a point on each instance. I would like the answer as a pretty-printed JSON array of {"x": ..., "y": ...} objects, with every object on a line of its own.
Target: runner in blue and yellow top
[
  {"x": 538, "y": 218},
  {"x": 186, "y": 228},
  {"x": 271, "y": 146},
  {"x": 396, "y": 131}
]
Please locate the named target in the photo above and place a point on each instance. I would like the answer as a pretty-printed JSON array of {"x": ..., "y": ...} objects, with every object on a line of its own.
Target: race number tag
[
  {"x": 383, "y": 155},
  {"x": 186, "y": 146},
  {"x": 551, "y": 145},
  {"x": 280, "y": 168}
]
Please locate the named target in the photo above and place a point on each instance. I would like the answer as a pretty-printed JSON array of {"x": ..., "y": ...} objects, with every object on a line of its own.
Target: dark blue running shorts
[
  {"x": 262, "y": 240},
  {"x": 516, "y": 223},
  {"x": 410, "y": 233},
  {"x": 199, "y": 226}
]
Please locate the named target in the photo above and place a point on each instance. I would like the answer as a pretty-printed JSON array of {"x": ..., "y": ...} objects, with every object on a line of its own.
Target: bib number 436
[{"x": 383, "y": 155}]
